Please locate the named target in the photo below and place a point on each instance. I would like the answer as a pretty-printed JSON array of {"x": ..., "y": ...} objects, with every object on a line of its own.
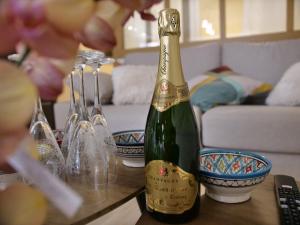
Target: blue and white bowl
[
  {"x": 230, "y": 175},
  {"x": 130, "y": 147}
]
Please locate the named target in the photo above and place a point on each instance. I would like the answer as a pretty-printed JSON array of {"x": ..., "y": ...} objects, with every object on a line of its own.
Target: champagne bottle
[{"x": 171, "y": 135}]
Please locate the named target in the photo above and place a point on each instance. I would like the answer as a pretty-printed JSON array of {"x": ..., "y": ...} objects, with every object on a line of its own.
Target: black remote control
[{"x": 288, "y": 199}]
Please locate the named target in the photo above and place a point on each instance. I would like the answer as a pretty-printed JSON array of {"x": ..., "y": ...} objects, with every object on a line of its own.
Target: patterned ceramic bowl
[
  {"x": 230, "y": 175},
  {"x": 130, "y": 147}
]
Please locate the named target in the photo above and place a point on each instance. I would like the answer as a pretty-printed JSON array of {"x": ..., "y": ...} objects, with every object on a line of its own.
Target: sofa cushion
[
  {"x": 287, "y": 91},
  {"x": 105, "y": 86},
  {"x": 222, "y": 87},
  {"x": 133, "y": 84},
  {"x": 195, "y": 60},
  {"x": 263, "y": 61},
  {"x": 121, "y": 117},
  {"x": 126, "y": 117},
  {"x": 261, "y": 128}
]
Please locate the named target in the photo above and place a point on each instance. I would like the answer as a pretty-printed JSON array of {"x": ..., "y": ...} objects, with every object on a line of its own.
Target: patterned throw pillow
[{"x": 222, "y": 86}]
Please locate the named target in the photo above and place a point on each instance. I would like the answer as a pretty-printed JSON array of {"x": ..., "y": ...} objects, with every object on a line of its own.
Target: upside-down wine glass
[
  {"x": 105, "y": 140},
  {"x": 49, "y": 152},
  {"x": 72, "y": 119},
  {"x": 86, "y": 165}
]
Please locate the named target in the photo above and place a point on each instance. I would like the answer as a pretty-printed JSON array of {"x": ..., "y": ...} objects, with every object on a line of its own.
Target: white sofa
[{"x": 271, "y": 131}]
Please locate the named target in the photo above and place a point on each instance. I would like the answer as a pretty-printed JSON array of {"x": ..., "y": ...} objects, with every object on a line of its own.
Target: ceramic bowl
[
  {"x": 130, "y": 147},
  {"x": 230, "y": 175}
]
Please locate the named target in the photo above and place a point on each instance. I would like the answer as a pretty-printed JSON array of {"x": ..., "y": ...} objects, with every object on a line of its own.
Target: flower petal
[
  {"x": 28, "y": 12},
  {"x": 69, "y": 15},
  {"x": 97, "y": 34},
  {"x": 48, "y": 42},
  {"x": 9, "y": 37},
  {"x": 147, "y": 16},
  {"x": 139, "y": 5},
  {"x": 99, "y": 31},
  {"x": 8, "y": 34},
  {"x": 17, "y": 98},
  {"x": 8, "y": 144},
  {"x": 47, "y": 74}
]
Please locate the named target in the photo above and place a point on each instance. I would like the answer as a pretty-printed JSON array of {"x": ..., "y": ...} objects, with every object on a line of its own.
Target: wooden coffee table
[
  {"x": 129, "y": 184},
  {"x": 261, "y": 209}
]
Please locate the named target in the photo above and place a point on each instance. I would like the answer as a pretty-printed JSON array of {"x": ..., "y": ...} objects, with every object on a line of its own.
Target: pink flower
[
  {"x": 39, "y": 24},
  {"x": 49, "y": 42},
  {"x": 139, "y": 5},
  {"x": 98, "y": 33},
  {"x": 47, "y": 74}
]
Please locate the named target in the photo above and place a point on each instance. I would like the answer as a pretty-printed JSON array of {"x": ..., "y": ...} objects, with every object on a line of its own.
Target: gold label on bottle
[
  {"x": 169, "y": 189},
  {"x": 167, "y": 95}
]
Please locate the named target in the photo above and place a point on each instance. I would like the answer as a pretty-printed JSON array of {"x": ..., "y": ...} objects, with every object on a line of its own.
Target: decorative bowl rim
[
  {"x": 260, "y": 173},
  {"x": 125, "y": 132}
]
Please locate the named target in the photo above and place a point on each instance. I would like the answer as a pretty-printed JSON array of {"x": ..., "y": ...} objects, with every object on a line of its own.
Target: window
[
  {"x": 297, "y": 14},
  {"x": 252, "y": 17},
  {"x": 203, "y": 19},
  {"x": 199, "y": 21},
  {"x": 139, "y": 33}
]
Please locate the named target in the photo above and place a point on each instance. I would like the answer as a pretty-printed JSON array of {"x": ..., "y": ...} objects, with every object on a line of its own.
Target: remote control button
[
  {"x": 283, "y": 206},
  {"x": 283, "y": 199},
  {"x": 293, "y": 210},
  {"x": 298, "y": 208},
  {"x": 297, "y": 202},
  {"x": 285, "y": 212},
  {"x": 286, "y": 186}
]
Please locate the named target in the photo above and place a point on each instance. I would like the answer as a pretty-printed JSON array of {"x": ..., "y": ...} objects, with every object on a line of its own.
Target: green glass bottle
[{"x": 171, "y": 135}]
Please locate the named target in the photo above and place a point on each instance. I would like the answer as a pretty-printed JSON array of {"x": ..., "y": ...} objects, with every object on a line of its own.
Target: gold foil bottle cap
[{"x": 169, "y": 22}]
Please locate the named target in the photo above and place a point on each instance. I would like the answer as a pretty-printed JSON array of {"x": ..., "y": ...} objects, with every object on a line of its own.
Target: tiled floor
[{"x": 127, "y": 214}]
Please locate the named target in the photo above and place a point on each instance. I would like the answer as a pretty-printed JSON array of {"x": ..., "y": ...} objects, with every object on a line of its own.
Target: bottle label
[
  {"x": 167, "y": 95},
  {"x": 169, "y": 189}
]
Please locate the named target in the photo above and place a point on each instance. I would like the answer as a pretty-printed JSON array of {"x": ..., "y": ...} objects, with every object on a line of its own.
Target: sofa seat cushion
[
  {"x": 258, "y": 128},
  {"x": 126, "y": 117},
  {"x": 119, "y": 117}
]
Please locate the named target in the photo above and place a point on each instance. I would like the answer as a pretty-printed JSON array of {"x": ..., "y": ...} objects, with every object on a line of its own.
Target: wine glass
[
  {"x": 105, "y": 140},
  {"x": 72, "y": 119},
  {"x": 47, "y": 146},
  {"x": 86, "y": 165}
]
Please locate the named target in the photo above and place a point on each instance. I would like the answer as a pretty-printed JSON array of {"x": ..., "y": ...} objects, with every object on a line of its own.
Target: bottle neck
[
  {"x": 169, "y": 60},
  {"x": 170, "y": 88}
]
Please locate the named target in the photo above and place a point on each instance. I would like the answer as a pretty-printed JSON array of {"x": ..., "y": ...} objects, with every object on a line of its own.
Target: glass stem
[
  {"x": 38, "y": 107},
  {"x": 72, "y": 107},
  {"x": 97, "y": 109},
  {"x": 97, "y": 101},
  {"x": 72, "y": 102},
  {"x": 38, "y": 113},
  {"x": 83, "y": 110},
  {"x": 97, "y": 94}
]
